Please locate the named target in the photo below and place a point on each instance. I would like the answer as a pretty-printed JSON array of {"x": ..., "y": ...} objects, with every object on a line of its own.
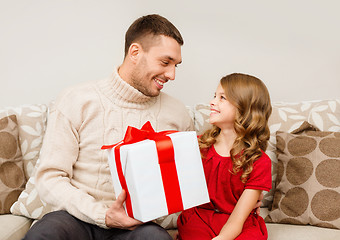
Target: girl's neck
[{"x": 224, "y": 142}]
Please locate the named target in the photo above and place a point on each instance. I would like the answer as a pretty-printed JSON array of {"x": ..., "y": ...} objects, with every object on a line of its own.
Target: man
[{"x": 74, "y": 175}]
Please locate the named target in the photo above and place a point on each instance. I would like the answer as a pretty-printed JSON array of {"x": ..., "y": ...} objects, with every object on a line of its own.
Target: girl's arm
[{"x": 233, "y": 227}]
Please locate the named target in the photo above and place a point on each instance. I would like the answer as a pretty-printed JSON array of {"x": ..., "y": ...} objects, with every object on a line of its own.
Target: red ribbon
[{"x": 166, "y": 159}]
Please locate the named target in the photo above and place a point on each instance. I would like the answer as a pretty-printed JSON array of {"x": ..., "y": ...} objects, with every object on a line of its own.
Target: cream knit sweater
[{"x": 74, "y": 174}]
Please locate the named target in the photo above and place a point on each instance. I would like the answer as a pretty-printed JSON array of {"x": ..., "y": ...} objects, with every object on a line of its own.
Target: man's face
[{"x": 156, "y": 66}]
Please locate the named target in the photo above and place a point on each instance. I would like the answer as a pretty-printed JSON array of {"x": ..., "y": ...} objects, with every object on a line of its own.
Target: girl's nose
[{"x": 212, "y": 102}]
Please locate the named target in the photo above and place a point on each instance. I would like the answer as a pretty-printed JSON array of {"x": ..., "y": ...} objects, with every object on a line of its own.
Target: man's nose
[{"x": 170, "y": 73}]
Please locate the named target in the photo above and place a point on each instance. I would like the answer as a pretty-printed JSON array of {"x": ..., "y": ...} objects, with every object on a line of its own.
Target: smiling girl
[{"x": 236, "y": 168}]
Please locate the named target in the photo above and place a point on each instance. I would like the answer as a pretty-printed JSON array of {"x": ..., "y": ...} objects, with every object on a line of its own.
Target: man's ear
[{"x": 135, "y": 50}]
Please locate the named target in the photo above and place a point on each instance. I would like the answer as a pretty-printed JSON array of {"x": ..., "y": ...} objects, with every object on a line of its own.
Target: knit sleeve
[{"x": 54, "y": 175}]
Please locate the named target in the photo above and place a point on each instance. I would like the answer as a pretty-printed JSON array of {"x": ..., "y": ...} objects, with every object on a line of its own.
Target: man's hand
[
  {"x": 258, "y": 204},
  {"x": 116, "y": 216}
]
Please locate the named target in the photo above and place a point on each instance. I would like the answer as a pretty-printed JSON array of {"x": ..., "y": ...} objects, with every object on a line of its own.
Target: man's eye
[{"x": 165, "y": 62}]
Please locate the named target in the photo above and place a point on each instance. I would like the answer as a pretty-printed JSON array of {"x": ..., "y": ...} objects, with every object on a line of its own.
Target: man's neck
[{"x": 124, "y": 73}]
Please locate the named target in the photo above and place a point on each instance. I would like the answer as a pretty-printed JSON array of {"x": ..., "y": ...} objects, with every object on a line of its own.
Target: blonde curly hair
[{"x": 253, "y": 107}]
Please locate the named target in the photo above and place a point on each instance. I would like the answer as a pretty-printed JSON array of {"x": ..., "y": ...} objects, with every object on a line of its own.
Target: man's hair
[{"x": 148, "y": 26}]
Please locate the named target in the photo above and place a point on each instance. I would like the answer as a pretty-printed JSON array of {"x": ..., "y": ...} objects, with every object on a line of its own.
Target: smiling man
[
  {"x": 150, "y": 61},
  {"x": 74, "y": 176}
]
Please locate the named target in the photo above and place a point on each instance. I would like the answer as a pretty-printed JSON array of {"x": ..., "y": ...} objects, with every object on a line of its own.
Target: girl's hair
[{"x": 251, "y": 98}]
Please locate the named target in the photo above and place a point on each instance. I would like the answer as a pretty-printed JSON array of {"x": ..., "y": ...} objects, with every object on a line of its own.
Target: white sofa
[{"x": 324, "y": 114}]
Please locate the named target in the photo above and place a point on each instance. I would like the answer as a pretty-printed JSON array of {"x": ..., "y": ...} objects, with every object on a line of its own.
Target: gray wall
[{"x": 292, "y": 45}]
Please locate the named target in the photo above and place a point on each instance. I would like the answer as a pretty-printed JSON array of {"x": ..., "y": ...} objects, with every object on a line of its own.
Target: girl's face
[{"x": 222, "y": 112}]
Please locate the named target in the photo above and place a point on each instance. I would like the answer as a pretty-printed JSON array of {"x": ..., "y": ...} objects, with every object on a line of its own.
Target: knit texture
[{"x": 74, "y": 174}]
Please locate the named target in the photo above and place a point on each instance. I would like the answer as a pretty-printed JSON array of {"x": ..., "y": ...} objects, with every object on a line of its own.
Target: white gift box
[{"x": 142, "y": 171}]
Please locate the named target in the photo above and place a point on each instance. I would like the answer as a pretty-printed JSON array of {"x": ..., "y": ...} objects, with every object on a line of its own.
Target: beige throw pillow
[
  {"x": 32, "y": 124},
  {"x": 285, "y": 117},
  {"x": 325, "y": 115},
  {"x": 308, "y": 181},
  {"x": 12, "y": 177},
  {"x": 32, "y": 120},
  {"x": 29, "y": 203}
]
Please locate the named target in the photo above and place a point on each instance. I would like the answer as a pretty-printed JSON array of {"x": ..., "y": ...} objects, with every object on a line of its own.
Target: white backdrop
[{"x": 292, "y": 45}]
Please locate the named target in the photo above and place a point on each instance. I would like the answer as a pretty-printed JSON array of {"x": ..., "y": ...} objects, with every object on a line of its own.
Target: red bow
[{"x": 133, "y": 135}]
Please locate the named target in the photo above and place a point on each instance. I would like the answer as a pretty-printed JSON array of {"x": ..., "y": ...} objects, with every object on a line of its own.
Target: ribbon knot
[{"x": 133, "y": 135}]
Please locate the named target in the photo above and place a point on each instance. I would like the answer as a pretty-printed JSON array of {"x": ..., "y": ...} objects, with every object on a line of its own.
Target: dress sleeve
[
  {"x": 260, "y": 178},
  {"x": 53, "y": 178}
]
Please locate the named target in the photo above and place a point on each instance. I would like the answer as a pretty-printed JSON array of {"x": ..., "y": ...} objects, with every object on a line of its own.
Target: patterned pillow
[
  {"x": 169, "y": 221},
  {"x": 201, "y": 118},
  {"x": 32, "y": 125},
  {"x": 32, "y": 121},
  {"x": 285, "y": 117},
  {"x": 325, "y": 115},
  {"x": 12, "y": 177},
  {"x": 29, "y": 203},
  {"x": 308, "y": 181}
]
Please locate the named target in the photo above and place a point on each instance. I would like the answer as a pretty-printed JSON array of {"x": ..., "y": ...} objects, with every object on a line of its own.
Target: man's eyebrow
[{"x": 172, "y": 59}]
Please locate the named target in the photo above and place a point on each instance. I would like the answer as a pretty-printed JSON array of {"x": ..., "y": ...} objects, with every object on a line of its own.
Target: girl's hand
[
  {"x": 217, "y": 238},
  {"x": 176, "y": 236}
]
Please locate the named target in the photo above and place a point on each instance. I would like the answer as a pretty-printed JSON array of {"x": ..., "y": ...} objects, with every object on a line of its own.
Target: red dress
[{"x": 206, "y": 221}]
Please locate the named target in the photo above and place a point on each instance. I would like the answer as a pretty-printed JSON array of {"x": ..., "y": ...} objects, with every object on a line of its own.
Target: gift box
[{"x": 161, "y": 172}]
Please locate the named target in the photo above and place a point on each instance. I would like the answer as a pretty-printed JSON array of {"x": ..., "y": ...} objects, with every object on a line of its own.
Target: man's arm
[{"x": 53, "y": 178}]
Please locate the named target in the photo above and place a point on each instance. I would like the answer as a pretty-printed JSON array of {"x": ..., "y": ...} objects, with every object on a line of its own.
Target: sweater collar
[{"x": 123, "y": 94}]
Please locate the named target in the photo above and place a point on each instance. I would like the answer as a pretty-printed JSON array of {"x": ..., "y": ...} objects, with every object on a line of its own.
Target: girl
[{"x": 235, "y": 165}]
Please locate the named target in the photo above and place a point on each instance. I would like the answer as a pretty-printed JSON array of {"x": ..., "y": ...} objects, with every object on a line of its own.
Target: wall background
[{"x": 293, "y": 46}]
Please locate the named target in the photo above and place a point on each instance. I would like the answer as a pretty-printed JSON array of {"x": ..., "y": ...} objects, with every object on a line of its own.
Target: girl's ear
[{"x": 135, "y": 50}]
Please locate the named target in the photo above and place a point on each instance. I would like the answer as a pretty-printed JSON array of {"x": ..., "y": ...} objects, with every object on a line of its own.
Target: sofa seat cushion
[
  {"x": 278, "y": 231},
  {"x": 13, "y": 227}
]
